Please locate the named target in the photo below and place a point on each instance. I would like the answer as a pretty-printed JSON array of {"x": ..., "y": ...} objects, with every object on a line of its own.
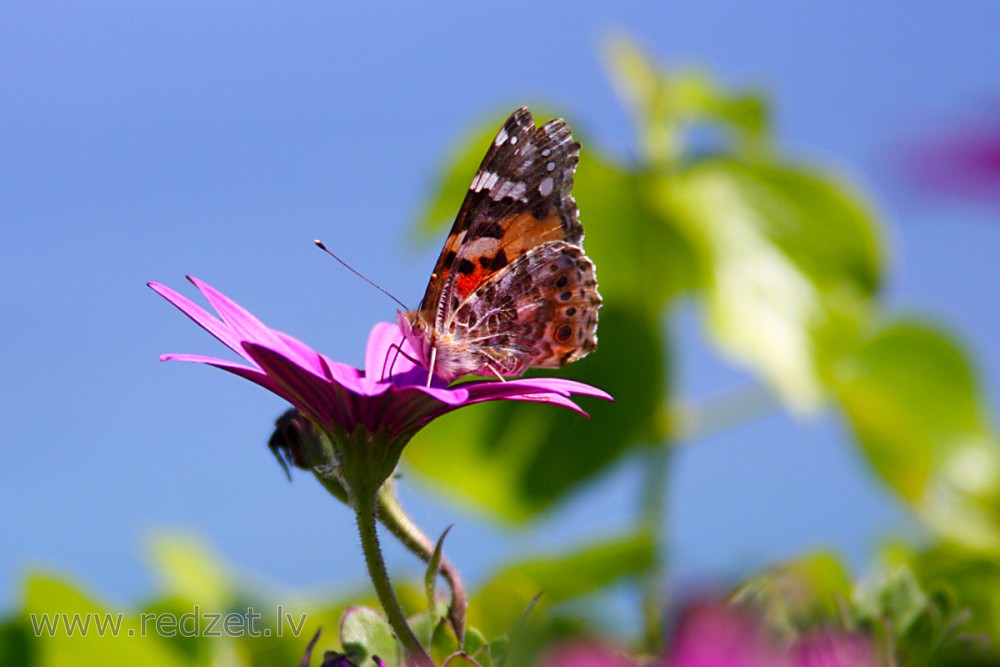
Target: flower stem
[
  {"x": 652, "y": 517},
  {"x": 392, "y": 516},
  {"x": 364, "y": 506}
]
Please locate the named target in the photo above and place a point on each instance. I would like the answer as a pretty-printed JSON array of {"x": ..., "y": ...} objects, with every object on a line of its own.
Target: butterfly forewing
[
  {"x": 520, "y": 197},
  {"x": 490, "y": 307}
]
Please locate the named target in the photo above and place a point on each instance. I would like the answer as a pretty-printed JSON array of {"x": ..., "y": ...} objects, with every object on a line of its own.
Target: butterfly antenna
[{"x": 319, "y": 244}]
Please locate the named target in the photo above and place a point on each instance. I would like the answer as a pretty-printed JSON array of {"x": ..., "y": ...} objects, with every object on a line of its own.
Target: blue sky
[{"x": 142, "y": 141}]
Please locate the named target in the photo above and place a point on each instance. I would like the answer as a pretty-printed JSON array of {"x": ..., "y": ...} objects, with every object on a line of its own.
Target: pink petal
[
  {"x": 312, "y": 393},
  {"x": 388, "y": 353},
  {"x": 242, "y": 322},
  {"x": 201, "y": 317},
  {"x": 254, "y": 375}
]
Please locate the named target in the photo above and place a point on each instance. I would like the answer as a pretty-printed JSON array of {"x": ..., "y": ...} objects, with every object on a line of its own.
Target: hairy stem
[
  {"x": 392, "y": 516},
  {"x": 364, "y": 506}
]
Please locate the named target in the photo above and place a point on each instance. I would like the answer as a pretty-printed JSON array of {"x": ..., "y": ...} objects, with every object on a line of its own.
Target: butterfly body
[{"x": 512, "y": 288}]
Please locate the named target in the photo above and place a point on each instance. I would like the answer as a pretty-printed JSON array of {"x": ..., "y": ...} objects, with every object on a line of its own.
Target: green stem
[
  {"x": 652, "y": 513},
  {"x": 364, "y": 506},
  {"x": 392, "y": 516}
]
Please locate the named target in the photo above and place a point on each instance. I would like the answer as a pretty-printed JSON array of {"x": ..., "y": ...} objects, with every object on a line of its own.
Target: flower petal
[
  {"x": 201, "y": 317},
  {"x": 240, "y": 320},
  {"x": 388, "y": 353},
  {"x": 311, "y": 393},
  {"x": 253, "y": 374}
]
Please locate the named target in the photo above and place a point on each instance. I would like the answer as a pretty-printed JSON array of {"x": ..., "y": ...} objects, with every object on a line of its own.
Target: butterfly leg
[
  {"x": 397, "y": 349},
  {"x": 430, "y": 370},
  {"x": 495, "y": 372}
]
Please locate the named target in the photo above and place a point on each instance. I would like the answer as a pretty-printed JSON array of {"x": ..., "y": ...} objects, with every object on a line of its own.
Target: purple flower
[
  {"x": 389, "y": 400},
  {"x": 710, "y": 635},
  {"x": 964, "y": 162}
]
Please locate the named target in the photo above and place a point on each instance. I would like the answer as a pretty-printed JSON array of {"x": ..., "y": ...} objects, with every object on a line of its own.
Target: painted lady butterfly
[{"x": 512, "y": 288}]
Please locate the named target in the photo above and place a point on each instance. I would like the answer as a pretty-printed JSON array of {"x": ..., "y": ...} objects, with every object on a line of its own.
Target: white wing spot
[
  {"x": 513, "y": 140},
  {"x": 483, "y": 180},
  {"x": 507, "y": 188},
  {"x": 550, "y": 166},
  {"x": 546, "y": 186},
  {"x": 501, "y": 137},
  {"x": 547, "y": 152}
]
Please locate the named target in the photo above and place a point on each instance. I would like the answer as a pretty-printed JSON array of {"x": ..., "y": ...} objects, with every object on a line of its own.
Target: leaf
[
  {"x": 501, "y": 601},
  {"x": 518, "y": 459},
  {"x": 667, "y": 105},
  {"x": 188, "y": 569},
  {"x": 364, "y": 633},
  {"x": 799, "y": 595},
  {"x": 894, "y": 595},
  {"x": 476, "y": 646},
  {"x": 788, "y": 261},
  {"x": 100, "y": 636},
  {"x": 431, "y": 574},
  {"x": 916, "y": 407}
]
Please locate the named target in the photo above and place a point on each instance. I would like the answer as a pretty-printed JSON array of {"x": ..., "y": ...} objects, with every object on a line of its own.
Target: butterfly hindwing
[{"x": 541, "y": 311}]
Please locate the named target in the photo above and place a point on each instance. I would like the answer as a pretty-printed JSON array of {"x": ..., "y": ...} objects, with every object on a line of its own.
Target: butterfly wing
[
  {"x": 519, "y": 199},
  {"x": 541, "y": 311}
]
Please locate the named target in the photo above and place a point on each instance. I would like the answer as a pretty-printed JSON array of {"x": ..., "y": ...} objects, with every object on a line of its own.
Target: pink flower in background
[
  {"x": 963, "y": 162},
  {"x": 711, "y": 635},
  {"x": 714, "y": 635}
]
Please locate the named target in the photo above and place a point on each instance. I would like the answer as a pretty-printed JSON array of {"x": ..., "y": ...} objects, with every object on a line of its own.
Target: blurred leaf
[
  {"x": 18, "y": 646},
  {"x": 188, "y": 569},
  {"x": 915, "y": 405},
  {"x": 501, "y": 601},
  {"x": 895, "y": 595},
  {"x": 667, "y": 105},
  {"x": 640, "y": 261},
  {"x": 789, "y": 262},
  {"x": 99, "y": 636},
  {"x": 364, "y": 633},
  {"x": 971, "y": 577},
  {"x": 799, "y": 595},
  {"x": 517, "y": 459},
  {"x": 477, "y": 647}
]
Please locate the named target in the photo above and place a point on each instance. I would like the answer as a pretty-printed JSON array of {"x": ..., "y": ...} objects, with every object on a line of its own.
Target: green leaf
[
  {"x": 477, "y": 647},
  {"x": 74, "y": 629},
  {"x": 431, "y": 574},
  {"x": 501, "y": 601},
  {"x": 188, "y": 569},
  {"x": 799, "y": 595},
  {"x": 666, "y": 105},
  {"x": 916, "y": 407},
  {"x": 18, "y": 646},
  {"x": 788, "y": 261},
  {"x": 364, "y": 633},
  {"x": 517, "y": 459},
  {"x": 972, "y": 578},
  {"x": 894, "y": 595}
]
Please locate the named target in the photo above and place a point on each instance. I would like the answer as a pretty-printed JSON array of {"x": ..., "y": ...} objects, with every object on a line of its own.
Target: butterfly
[{"x": 512, "y": 288}]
